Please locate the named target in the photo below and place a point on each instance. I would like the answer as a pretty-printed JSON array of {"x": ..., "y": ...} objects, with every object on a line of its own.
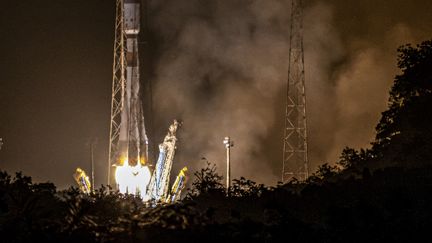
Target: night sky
[{"x": 217, "y": 65}]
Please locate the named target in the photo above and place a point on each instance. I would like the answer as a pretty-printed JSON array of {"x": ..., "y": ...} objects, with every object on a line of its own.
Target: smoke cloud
[{"x": 222, "y": 70}]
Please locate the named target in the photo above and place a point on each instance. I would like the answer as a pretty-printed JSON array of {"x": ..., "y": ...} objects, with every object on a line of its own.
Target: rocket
[
  {"x": 133, "y": 141},
  {"x": 132, "y": 17}
]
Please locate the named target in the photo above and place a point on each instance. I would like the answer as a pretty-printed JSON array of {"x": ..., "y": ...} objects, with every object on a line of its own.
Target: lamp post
[
  {"x": 92, "y": 165},
  {"x": 228, "y": 144}
]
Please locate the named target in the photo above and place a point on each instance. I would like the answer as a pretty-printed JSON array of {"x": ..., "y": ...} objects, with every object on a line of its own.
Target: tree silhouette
[{"x": 404, "y": 134}]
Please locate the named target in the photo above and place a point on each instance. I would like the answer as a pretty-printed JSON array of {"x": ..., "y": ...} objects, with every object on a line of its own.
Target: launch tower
[{"x": 295, "y": 157}]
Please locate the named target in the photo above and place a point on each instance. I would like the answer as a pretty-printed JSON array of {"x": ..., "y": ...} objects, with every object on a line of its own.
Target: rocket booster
[{"x": 133, "y": 142}]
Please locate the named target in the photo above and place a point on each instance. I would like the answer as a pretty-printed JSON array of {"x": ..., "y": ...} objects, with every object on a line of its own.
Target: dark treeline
[{"x": 383, "y": 193}]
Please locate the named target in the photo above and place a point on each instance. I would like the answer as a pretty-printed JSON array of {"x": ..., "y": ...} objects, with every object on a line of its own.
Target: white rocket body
[{"x": 133, "y": 142}]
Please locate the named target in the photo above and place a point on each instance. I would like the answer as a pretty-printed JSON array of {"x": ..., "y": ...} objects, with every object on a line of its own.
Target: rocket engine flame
[
  {"x": 133, "y": 179},
  {"x": 138, "y": 180}
]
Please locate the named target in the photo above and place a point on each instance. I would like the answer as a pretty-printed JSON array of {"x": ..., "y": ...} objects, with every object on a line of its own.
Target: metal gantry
[
  {"x": 118, "y": 85},
  {"x": 295, "y": 154}
]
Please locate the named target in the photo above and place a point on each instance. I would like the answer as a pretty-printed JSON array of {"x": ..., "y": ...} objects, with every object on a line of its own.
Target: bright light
[
  {"x": 83, "y": 180},
  {"x": 133, "y": 179}
]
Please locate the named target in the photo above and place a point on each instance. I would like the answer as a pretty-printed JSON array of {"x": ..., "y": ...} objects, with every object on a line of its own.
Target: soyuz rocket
[
  {"x": 131, "y": 148},
  {"x": 133, "y": 141}
]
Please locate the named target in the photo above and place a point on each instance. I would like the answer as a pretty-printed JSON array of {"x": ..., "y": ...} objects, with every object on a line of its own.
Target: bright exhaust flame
[{"x": 133, "y": 179}]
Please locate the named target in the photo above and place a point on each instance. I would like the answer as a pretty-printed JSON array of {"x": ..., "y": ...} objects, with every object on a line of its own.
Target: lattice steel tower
[
  {"x": 118, "y": 85},
  {"x": 295, "y": 157}
]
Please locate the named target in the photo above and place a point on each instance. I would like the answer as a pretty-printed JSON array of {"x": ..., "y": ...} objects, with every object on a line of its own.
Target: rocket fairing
[
  {"x": 132, "y": 17},
  {"x": 133, "y": 141}
]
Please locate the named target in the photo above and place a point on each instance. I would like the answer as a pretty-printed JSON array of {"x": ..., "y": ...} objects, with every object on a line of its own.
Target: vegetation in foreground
[{"x": 378, "y": 194}]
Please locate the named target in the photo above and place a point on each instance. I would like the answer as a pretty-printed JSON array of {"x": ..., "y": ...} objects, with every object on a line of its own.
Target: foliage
[
  {"x": 405, "y": 125},
  {"x": 206, "y": 181},
  {"x": 351, "y": 158},
  {"x": 246, "y": 188},
  {"x": 324, "y": 173},
  {"x": 330, "y": 211},
  {"x": 404, "y": 134}
]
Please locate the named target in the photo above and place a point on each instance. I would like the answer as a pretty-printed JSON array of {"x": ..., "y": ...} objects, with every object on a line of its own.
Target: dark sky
[
  {"x": 55, "y": 86},
  {"x": 56, "y": 67}
]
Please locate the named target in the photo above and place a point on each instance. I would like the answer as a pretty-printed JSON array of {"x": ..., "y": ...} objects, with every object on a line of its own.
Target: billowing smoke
[{"x": 222, "y": 70}]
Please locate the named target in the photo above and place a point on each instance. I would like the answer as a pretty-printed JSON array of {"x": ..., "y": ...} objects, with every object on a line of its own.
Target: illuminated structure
[
  {"x": 178, "y": 186},
  {"x": 159, "y": 184},
  {"x": 128, "y": 139},
  {"x": 82, "y": 180},
  {"x": 138, "y": 180},
  {"x": 295, "y": 156},
  {"x": 228, "y": 144}
]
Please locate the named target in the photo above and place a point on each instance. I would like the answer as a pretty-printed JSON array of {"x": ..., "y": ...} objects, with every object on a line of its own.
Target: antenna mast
[{"x": 295, "y": 159}]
